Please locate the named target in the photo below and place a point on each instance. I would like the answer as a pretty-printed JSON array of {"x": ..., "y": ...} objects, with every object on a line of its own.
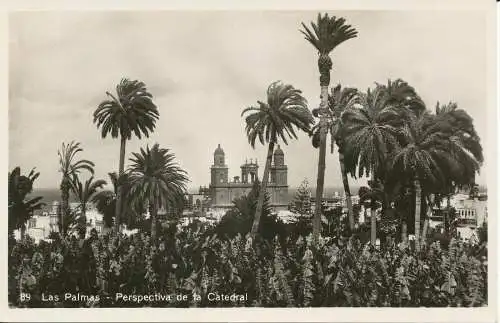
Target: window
[{"x": 32, "y": 223}]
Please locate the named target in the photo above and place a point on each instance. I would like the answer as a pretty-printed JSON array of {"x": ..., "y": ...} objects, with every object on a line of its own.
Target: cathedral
[{"x": 222, "y": 191}]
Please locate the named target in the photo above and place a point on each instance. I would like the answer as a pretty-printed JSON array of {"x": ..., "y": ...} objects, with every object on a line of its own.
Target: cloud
[{"x": 204, "y": 67}]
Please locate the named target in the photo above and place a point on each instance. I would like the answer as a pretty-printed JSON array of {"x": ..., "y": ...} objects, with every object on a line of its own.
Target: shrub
[
  {"x": 239, "y": 219},
  {"x": 276, "y": 272}
]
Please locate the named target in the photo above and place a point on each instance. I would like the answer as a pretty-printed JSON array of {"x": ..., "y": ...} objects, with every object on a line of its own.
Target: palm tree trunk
[
  {"x": 347, "y": 191},
  {"x": 404, "y": 232},
  {"x": 424, "y": 231},
  {"x": 83, "y": 220},
  {"x": 263, "y": 187},
  {"x": 153, "y": 210},
  {"x": 418, "y": 199},
  {"x": 23, "y": 232},
  {"x": 12, "y": 237},
  {"x": 120, "y": 191},
  {"x": 64, "y": 206},
  {"x": 321, "y": 163},
  {"x": 373, "y": 218}
]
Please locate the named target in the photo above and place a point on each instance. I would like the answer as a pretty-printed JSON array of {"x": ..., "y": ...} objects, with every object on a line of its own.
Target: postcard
[{"x": 267, "y": 161}]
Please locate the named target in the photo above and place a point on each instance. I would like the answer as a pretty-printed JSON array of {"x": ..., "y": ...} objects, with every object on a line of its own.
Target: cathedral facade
[{"x": 223, "y": 191}]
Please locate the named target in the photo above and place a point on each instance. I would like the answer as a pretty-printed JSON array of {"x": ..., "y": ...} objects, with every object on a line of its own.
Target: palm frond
[
  {"x": 131, "y": 112},
  {"x": 156, "y": 178},
  {"x": 284, "y": 111},
  {"x": 328, "y": 32}
]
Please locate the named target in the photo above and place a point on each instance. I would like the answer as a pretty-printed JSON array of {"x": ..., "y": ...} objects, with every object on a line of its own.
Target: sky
[{"x": 203, "y": 68}]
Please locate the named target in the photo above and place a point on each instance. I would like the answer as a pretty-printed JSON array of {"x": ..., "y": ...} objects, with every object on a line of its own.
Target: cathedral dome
[
  {"x": 219, "y": 151},
  {"x": 278, "y": 151}
]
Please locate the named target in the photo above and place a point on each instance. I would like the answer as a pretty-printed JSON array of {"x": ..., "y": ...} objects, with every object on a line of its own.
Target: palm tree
[
  {"x": 440, "y": 151},
  {"x": 70, "y": 167},
  {"x": 423, "y": 157},
  {"x": 132, "y": 111},
  {"x": 340, "y": 100},
  {"x": 370, "y": 134},
  {"x": 465, "y": 143},
  {"x": 285, "y": 110},
  {"x": 326, "y": 34},
  {"x": 85, "y": 192},
  {"x": 21, "y": 208},
  {"x": 399, "y": 93},
  {"x": 157, "y": 181}
]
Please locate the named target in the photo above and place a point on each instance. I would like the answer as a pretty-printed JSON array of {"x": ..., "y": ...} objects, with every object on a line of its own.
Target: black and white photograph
[{"x": 251, "y": 159}]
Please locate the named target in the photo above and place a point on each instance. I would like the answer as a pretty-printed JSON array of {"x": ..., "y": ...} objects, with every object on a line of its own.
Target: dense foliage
[
  {"x": 192, "y": 260},
  {"x": 239, "y": 219},
  {"x": 21, "y": 206}
]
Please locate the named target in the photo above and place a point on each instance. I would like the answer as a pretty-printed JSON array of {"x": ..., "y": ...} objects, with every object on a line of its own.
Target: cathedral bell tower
[
  {"x": 219, "y": 170},
  {"x": 279, "y": 170}
]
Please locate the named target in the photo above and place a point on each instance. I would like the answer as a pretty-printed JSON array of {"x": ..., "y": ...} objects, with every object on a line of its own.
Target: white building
[
  {"x": 94, "y": 221},
  {"x": 472, "y": 210},
  {"x": 41, "y": 225},
  {"x": 287, "y": 216},
  {"x": 470, "y": 214}
]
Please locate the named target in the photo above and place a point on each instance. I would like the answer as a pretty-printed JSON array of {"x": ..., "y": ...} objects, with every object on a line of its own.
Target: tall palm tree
[
  {"x": 69, "y": 167},
  {"x": 370, "y": 134},
  {"x": 340, "y": 100},
  {"x": 285, "y": 110},
  {"x": 131, "y": 111},
  {"x": 376, "y": 126},
  {"x": 157, "y": 181},
  {"x": 325, "y": 35},
  {"x": 21, "y": 207},
  {"x": 85, "y": 192},
  {"x": 424, "y": 156}
]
